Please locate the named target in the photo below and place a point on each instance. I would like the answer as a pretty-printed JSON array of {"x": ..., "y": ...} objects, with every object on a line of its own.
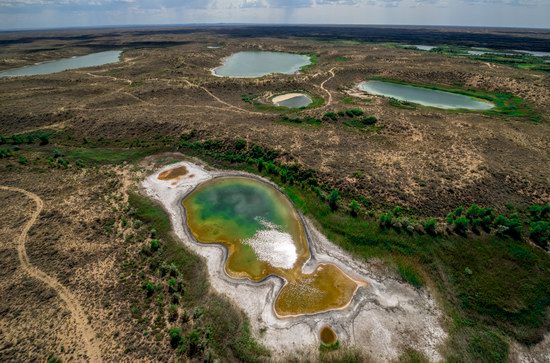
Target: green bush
[
  {"x": 5, "y": 153},
  {"x": 352, "y": 112},
  {"x": 331, "y": 116},
  {"x": 22, "y": 160},
  {"x": 333, "y": 199},
  {"x": 385, "y": 220},
  {"x": 354, "y": 208},
  {"x": 430, "y": 226},
  {"x": 539, "y": 212},
  {"x": 369, "y": 120},
  {"x": 240, "y": 144},
  {"x": 175, "y": 337},
  {"x": 508, "y": 226},
  {"x": 461, "y": 224},
  {"x": 539, "y": 232},
  {"x": 149, "y": 288},
  {"x": 155, "y": 245}
]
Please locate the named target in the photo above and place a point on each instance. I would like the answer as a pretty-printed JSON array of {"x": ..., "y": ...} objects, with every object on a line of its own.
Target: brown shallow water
[
  {"x": 264, "y": 235},
  {"x": 328, "y": 336},
  {"x": 173, "y": 173}
]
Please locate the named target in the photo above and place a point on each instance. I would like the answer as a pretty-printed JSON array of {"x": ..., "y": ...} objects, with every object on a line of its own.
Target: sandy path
[
  {"x": 222, "y": 101},
  {"x": 92, "y": 348},
  {"x": 322, "y": 86}
]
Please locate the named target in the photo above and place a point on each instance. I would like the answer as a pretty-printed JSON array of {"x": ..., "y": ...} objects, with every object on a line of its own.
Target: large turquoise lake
[
  {"x": 424, "y": 96},
  {"x": 258, "y": 64},
  {"x": 89, "y": 60}
]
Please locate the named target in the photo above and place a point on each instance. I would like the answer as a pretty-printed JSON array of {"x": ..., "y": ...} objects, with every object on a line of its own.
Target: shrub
[
  {"x": 539, "y": 232},
  {"x": 194, "y": 343},
  {"x": 368, "y": 121},
  {"x": 155, "y": 245},
  {"x": 22, "y": 160},
  {"x": 57, "y": 153},
  {"x": 44, "y": 139},
  {"x": 508, "y": 226},
  {"x": 461, "y": 224},
  {"x": 354, "y": 208},
  {"x": 261, "y": 165},
  {"x": 5, "y": 153},
  {"x": 385, "y": 220},
  {"x": 539, "y": 212},
  {"x": 240, "y": 144},
  {"x": 430, "y": 226},
  {"x": 366, "y": 203},
  {"x": 175, "y": 337},
  {"x": 149, "y": 288},
  {"x": 333, "y": 199},
  {"x": 352, "y": 112},
  {"x": 330, "y": 115}
]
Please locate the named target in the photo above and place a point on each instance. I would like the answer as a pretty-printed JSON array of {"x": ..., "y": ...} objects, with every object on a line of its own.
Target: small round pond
[
  {"x": 258, "y": 63},
  {"x": 90, "y": 60},
  {"x": 328, "y": 336},
  {"x": 424, "y": 96},
  {"x": 265, "y": 236},
  {"x": 292, "y": 100}
]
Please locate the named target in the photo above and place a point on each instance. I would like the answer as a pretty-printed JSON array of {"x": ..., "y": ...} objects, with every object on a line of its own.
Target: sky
[{"x": 36, "y": 14}]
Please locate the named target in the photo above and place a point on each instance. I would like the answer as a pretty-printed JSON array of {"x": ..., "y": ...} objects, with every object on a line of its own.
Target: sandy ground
[
  {"x": 276, "y": 100},
  {"x": 384, "y": 318}
]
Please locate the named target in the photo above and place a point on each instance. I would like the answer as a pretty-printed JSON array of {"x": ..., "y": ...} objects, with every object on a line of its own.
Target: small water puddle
[{"x": 292, "y": 100}]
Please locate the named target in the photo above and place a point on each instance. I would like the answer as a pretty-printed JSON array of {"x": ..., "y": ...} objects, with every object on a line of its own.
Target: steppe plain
[{"x": 77, "y": 229}]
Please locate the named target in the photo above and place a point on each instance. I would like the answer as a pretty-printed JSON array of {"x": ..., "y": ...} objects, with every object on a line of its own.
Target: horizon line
[{"x": 206, "y": 24}]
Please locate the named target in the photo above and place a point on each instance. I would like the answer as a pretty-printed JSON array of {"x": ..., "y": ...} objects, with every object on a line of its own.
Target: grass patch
[
  {"x": 108, "y": 155},
  {"x": 311, "y": 121},
  {"x": 314, "y": 60},
  {"x": 409, "y": 273}
]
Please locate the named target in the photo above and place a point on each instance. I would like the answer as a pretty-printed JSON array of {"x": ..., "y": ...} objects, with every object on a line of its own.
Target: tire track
[{"x": 79, "y": 317}]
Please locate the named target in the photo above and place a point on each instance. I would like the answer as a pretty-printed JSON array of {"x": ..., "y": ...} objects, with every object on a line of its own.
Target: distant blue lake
[
  {"x": 90, "y": 60},
  {"x": 258, "y": 64},
  {"x": 424, "y": 96}
]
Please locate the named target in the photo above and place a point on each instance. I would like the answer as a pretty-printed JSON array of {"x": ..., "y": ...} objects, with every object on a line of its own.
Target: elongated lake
[
  {"x": 264, "y": 236},
  {"x": 258, "y": 64},
  {"x": 90, "y": 60},
  {"x": 424, "y": 96}
]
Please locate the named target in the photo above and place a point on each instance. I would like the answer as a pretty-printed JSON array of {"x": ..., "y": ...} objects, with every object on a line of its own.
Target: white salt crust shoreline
[{"x": 384, "y": 317}]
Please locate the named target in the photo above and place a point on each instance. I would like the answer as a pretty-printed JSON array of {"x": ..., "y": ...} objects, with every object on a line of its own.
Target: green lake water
[{"x": 264, "y": 236}]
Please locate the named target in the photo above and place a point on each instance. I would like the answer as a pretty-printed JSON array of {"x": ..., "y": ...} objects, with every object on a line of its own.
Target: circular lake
[
  {"x": 85, "y": 61},
  {"x": 264, "y": 236},
  {"x": 258, "y": 64},
  {"x": 424, "y": 96},
  {"x": 292, "y": 100}
]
